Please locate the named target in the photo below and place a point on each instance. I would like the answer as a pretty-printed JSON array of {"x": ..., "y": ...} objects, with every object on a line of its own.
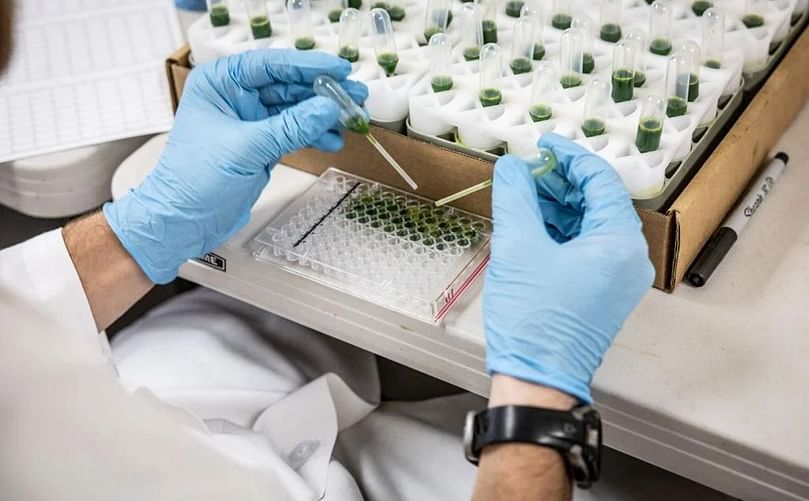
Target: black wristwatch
[{"x": 575, "y": 434}]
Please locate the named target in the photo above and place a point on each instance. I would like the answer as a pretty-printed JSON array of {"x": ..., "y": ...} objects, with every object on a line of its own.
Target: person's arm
[
  {"x": 568, "y": 264},
  {"x": 237, "y": 118}
]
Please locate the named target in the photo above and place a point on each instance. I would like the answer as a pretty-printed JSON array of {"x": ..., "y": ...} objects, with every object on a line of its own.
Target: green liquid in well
[
  {"x": 334, "y": 16},
  {"x": 676, "y": 107},
  {"x": 593, "y": 127},
  {"x": 305, "y": 43},
  {"x": 610, "y": 32},
  {"x": 261, "y": 27},
  {"x": 561, "y": 21},
  {"x": 388, "y": 61},
  {"x": 441, "y": 83},
  {"x": 429, "y": 32},
  {"x": 700, "y": 6},
  {"x": 489, "y": 31},
  {"x": 396, "y": 13},
  {"x": 490, "y": 97},
  {"x": 693, "y": 88},
  {"x": 713, "y": 64},
  {"x": 219, "y": 15},
  {"x": 358, "y": 125},
  {"x": 753, "y": 20},
  {"x": 355, "y": 4},
  {"x": 471, "y": 53},
  {"x": 350, "y": 54},
  {"x": 623, "y": 85},
  {"x": 588, "y": 64},
  {"x": 520, "y": 65},
  {"x": 538, "y": 52},
  {"x": 660, "y": 46},
  {"x": 513, "y": 8},
  {"x": 540, "y": 112},
  {"x": 649, "y": 132},
  {"x": 640, "y": 78},
  {"x": 569, "y": 81}
]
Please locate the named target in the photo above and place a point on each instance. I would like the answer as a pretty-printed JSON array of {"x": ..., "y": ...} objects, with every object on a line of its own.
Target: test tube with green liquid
[
  {"x": 678, "y": 78},
  {"x": 543, "y": 92},
  {"x": 384, "y": 41},
  {"x": 570, "y": 58},
  {"x": 471, "y": 31},
  {"x": 522, "y": 46},
  {"x": 539, "y": 164},
  {"x": 491, "y": 73},
  {"x": 638, "y": 38},
  {"x": 650, "y": 124},
  {"x": 487, "y": 10},
  {"x": 532, "y": 11},
  {"x": 610, "y": 19},
  {"x": 754, "y": 13},
  {"x": 336, "y": 8},
  {"x": 623, "y": 71},
  {"x": 698, "y": 7},
  {"x": 218, "y": 13},
  {"x": 260, "y": 25},
  {"x": 584, "y": 24},
  {"x": 396, "y": 10},
  {"x": 440, "y": 50},
  {"x": 354, "y": 118},
  {"x": 350, "y": 32},
  {"x": 713, "y": 39},
  {"x": 436, "y": 18},
  {"x": 660, "y": 28},
  {"x": 690, "y": 51},
  {"x": 299, "y": 13},
  {"x": 514, "y": 8},
  {"x": 562, "y": 14},
  {"x": 596, "y": 102}
]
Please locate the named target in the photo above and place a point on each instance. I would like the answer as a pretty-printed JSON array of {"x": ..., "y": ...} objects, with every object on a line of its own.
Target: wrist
[{"x": 507, "y": 390}]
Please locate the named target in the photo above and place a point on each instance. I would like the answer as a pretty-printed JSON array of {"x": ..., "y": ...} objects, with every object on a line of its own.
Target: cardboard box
[{"x": 675, "y": 237}]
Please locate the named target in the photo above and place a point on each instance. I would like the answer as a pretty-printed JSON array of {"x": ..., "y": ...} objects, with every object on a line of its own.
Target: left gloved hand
[{"x": 237, "y": 118}]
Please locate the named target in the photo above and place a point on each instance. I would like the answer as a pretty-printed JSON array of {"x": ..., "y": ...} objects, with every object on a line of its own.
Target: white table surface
[{"x": 710, "y": 383}]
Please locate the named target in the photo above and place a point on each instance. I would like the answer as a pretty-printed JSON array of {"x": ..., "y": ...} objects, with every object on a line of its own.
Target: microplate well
[{"x": 378, "y": 243}]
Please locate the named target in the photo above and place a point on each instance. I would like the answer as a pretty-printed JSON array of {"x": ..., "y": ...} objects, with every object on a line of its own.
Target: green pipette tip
[{"x": 540, "y": 164}]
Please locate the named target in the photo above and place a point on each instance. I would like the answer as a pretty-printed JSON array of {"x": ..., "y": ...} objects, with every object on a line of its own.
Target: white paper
[{"x": 86, "y": 72}]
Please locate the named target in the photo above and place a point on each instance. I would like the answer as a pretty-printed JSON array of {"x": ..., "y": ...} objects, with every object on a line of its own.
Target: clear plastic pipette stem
[
  {"x": 393, "y": 163},
  {"x": 541, "y": 163}
]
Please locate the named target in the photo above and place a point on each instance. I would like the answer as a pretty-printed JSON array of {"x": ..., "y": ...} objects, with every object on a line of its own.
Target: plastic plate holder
[{"x": 380, "y": 244}]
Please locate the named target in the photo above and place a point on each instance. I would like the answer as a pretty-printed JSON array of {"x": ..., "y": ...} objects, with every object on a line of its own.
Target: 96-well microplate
[{"x": 378, "y": 243}]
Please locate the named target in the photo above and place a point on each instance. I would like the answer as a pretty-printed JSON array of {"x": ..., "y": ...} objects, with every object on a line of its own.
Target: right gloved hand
[{"x": 568, "y": 265}]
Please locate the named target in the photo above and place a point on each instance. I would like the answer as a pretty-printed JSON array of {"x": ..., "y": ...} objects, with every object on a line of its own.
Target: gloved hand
[
  {"x": 568, "y": 265},
  {"x": 237, "y": 118}
]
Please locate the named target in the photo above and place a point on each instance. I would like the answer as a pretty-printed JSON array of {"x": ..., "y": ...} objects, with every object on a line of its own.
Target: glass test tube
[
  {"x": 487, "y": 10},
  {"x": 586, "y": 26},
  {"x": 440, "y": 63},
  {"x": 471, "y": 32},
  {"x": 690, "y": 51},
  {"x": 699, "y": 7},
  {"x": 638, "y": 38},
  {"x": 542, "y": 92},
  {"x": 713, "y": 38},
  {"x": 259, "y": 18},
  {"x": 610, "y": 20},
  {"x": 336, "y": 9},
  {"x": 596, "y": 103},
  {"x": 754, "y": 13},
  {"x": 436, "y": 18},
  {"x": 522, "y": 46},
  {"x": 514, "y": 8},
  {"x": 570, "y": 58},
  {"x": 491, "y": 70},
  {"x": 562, "y": 14},
  {"x": 650, "y": 124},
  {"x": 384, "y": 40},
  {"x": 300, "y": 24},
  {"x": 678, "y": 77},
  {"x": 350, "y": 32},
  {"x": 623, "y": 71},
  {"x": 396, "y": 10},
  {"x": 533, "y": 11},
  {"x": 660, "y": 28},
  {"x": 218, "y": 13}
]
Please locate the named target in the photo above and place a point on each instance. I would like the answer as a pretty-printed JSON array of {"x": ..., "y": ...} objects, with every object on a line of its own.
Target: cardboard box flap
[{"x": 178, "y": 66}]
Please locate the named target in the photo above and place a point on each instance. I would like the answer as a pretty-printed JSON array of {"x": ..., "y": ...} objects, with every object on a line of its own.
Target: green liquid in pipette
[{"x": 358, "y": 125}]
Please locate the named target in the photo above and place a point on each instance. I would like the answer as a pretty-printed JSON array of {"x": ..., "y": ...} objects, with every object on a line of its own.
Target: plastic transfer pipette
[
  {"x": 540, "y": 164},
  {"x": 354, "y": 118}
]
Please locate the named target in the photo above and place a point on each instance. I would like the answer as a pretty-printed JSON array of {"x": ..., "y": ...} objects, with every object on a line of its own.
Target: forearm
[
  {"x": 523, "y": 471},
  {"x": 111, "y": 279}
]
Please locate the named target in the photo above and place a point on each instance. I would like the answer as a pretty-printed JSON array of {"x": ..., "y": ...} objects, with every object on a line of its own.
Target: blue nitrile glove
[
  {"x": 568, "y": 265},
  {"x": 237, "y": 118},
  {"x": 192, "y": 4}
]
